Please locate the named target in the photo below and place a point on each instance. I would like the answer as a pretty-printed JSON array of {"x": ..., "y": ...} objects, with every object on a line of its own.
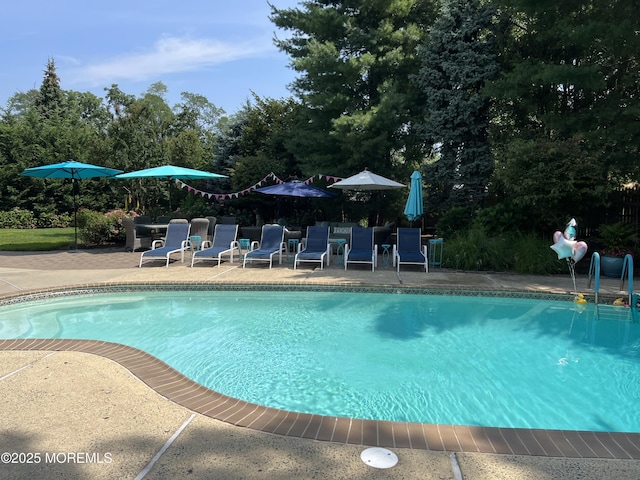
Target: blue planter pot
[{"x": 611, "y": 266}]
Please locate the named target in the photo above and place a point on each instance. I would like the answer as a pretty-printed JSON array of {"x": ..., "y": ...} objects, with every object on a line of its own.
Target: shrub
[
  {"x": 116, "y": 230},
  {"x": 97, "y": 228},
  {"x": 17, "y": 218},
  {"x": 477, "y": 250},
  {"x": 533, "y": 256},
  {"x": 53, "y": 220},
  {"x": 94, "y": 227},
  {"x": 454, "y": 222}
]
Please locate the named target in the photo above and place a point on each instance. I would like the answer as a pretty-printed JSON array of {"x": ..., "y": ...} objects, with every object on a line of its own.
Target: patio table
[{"x": 157, "y": 230}]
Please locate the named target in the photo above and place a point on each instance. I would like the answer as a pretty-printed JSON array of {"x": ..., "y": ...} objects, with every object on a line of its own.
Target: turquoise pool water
[{"x": 500, "y": 362}]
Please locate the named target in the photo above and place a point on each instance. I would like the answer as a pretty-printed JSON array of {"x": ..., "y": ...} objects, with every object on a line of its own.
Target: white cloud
[{"x": 169, "y": 55}]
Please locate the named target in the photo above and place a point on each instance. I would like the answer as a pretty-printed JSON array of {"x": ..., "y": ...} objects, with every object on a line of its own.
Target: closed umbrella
[
  {"x": 170, "y": 172},
  {"x": 73, "y": 170},
  {"x": 414, "y": 208}
]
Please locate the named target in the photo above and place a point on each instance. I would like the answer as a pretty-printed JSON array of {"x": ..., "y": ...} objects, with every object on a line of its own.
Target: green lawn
[{"x": 39, "y": 239}]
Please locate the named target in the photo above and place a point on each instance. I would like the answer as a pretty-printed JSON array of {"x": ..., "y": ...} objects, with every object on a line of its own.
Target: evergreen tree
[
  {"x": 456, "y": 61},
  {"x": 354, "y": 58},
  {"x": 567, "y": 123},
  {"x": 50, "y": 101}
]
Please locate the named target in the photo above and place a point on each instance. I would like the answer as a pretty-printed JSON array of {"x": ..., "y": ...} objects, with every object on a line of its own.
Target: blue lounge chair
[
  {"x": 362, "y": 250},
  {"x": 409, "y": 249},
  {"x": 224, "y": 242},
  {"x": 316, "y": 248},
  {"x": 271, "y": 242},
  {"x": 177, "y": 240}
]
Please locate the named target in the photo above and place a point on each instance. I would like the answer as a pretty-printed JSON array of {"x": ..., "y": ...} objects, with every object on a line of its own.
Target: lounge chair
[
  {"x": 409, "y": 249},
  {"x": 224, "y": 242},
  {"x": 177, "y": 240},
  {"x": 135, "y": 240},
  {"x": 316, "y": 248},
  {"x": 362, "y": 250},
  {"x": 271, "y": 242}
]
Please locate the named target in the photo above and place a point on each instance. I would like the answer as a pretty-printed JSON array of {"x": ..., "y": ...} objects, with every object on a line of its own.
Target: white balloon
[
  {"x": 563, "y": 247},
  {"x": 579, "y": 251}
]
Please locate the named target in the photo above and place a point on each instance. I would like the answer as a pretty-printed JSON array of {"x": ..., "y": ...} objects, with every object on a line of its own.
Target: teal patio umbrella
[
  {"x": 170, "y": 172},
  {"x": 72, "y": 170},
  {"x": 414, "y": 208}
]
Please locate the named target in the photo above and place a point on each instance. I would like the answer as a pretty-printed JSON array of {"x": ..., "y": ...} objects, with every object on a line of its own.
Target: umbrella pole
[{"x": 75, "y": 212}]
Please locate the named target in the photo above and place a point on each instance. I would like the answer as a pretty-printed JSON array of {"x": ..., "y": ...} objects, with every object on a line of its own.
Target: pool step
[{"x": 615, "y": 313}]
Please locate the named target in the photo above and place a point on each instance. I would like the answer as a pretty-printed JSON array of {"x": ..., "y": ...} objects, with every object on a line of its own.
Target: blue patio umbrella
[
  {"x": 72, "y": 170},
  {"x": 171, "y": 172},
  {"x": 414, "y": 208},
  {"x": 295, "y": 188}
]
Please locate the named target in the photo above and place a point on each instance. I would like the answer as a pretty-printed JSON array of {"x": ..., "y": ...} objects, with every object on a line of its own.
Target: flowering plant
[
  {"x": 616, "y": 252},
  {"x": 617, "y": 239}
]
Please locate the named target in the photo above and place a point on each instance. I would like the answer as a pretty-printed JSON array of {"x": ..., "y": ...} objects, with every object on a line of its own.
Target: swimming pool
[{"x": 422, "y": 358}]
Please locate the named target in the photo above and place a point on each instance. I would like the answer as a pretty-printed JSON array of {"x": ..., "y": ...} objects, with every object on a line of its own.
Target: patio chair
[
  {"x": 224, "y": 242},
  {"x": 199, "y": 228},
  {"x": 177, "y": 240},
  {"x": 363, "y": 249},
  {"x": 316, "y": 248},
  {"x": 271, "y": 242},
  {"x": 409, "y": 249},
  {"x": 143, "y": 220},
  {"x": 135, "y": 240},
  {"x": 212, "y": 226}
]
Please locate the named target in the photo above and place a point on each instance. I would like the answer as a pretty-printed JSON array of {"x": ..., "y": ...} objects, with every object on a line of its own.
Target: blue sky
[{"x": 222, "y": 50}]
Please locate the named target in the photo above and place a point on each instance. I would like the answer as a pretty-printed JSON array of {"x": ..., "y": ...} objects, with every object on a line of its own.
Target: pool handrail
[
  {"x": 594, "y": 271},
  {"x": 627, "y": 266}
]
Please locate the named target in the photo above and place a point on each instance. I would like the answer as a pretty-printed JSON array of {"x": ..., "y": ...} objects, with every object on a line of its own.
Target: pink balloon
[
  {"x": 557, "y": 236},
  {"x": 579, "y": 251},
  {"x": 563, "y": 247}
]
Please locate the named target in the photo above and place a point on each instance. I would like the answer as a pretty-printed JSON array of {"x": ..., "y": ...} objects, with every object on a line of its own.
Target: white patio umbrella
[
  {"x": 366, "y": 180},
  {"x": 369, "y": 182}
]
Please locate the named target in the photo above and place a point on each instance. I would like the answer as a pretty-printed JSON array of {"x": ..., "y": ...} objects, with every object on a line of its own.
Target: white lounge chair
[
  {"x": 177, "y": 240},
  {"x": 271, "y": 242},
  {"x": 362, "y": 249},
  {"x": 224, "y": 242},
  {"x": 409, "y": 250},
  {"x": 316, "y": 248}
]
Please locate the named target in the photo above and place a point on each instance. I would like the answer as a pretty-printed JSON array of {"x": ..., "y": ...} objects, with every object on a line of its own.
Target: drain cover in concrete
[{"x": 379, "y": 457}]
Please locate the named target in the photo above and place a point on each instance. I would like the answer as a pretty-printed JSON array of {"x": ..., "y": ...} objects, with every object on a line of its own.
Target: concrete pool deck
[{"x": 74, "y": 408}]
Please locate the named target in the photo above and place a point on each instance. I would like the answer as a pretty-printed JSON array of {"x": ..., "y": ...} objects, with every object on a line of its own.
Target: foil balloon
[
  {"x": 579, "y": 251},
  {"x": 557, "y": 236},
  {"x": 570, "y": 231},
  {"x": 563, "y": 247}
]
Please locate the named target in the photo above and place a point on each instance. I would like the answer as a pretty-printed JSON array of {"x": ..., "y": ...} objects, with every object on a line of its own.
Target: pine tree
[
  {"x": 50, "y": 99},
  {"x": 456, "y": 61}
]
